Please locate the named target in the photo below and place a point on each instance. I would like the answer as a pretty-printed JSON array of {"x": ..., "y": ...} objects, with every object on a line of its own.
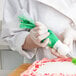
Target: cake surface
[{"x": 51, "y": 67}]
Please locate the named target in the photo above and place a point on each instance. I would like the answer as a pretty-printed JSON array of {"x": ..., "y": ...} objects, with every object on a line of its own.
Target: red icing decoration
[{"x": 32, "y": 69}]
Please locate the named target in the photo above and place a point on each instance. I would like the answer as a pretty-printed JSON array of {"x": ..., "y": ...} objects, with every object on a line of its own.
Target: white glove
[
  {"x": 69, "y": 37},
  {"x": 39, "y": 33}
]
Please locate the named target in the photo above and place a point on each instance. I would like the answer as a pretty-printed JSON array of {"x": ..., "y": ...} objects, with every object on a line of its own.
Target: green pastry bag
[{"x": 26, "y": 23}]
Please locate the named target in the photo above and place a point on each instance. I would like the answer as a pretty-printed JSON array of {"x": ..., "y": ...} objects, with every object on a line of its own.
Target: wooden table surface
[{"x": 19, "y": 70}]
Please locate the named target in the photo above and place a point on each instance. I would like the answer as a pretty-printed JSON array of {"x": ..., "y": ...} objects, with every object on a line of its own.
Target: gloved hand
[
  {"x": 35, "y": 37},
  {"x": 69, "y": 37},
  {"x": 39, "y": 33}
]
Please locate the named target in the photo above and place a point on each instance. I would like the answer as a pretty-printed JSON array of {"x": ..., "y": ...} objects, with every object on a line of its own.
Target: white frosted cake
[{"x": 51, "y": 67}]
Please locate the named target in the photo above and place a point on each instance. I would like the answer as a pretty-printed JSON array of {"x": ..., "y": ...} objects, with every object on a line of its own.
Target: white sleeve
[{"x": 11, "y": 31}]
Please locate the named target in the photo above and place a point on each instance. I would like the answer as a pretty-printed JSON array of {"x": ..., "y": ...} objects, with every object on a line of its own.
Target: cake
[{"x": 51, "y": 67}]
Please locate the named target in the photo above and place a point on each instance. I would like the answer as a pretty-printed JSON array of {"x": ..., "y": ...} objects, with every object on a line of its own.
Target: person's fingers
[
  {"x": 36, "y": 29},
  {"x": 44, "y": 44},
  {"x": 38, "y": 38},
  {"x": 41, "y": 37},
  {"x": 39, "y": 31},
  {"x": 34, "y": 33},
  {"x": 41, "y": 26},
  {"x": 42, "y": 31},
  {"x": 55, "y": 53},
  {"x": 62, "y": 56}
]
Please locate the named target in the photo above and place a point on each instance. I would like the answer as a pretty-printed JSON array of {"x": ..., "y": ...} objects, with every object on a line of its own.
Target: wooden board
[{"x": 19, "y": 70}]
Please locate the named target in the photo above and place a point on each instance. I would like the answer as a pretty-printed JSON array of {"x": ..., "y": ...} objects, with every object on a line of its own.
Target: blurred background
[{"x": 9, "y": 60}]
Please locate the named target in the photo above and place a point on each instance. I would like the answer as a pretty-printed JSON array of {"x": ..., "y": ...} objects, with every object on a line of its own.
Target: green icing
[
  {"x": 74, "y": 61},
  {"x": 29, "y": 24}
]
